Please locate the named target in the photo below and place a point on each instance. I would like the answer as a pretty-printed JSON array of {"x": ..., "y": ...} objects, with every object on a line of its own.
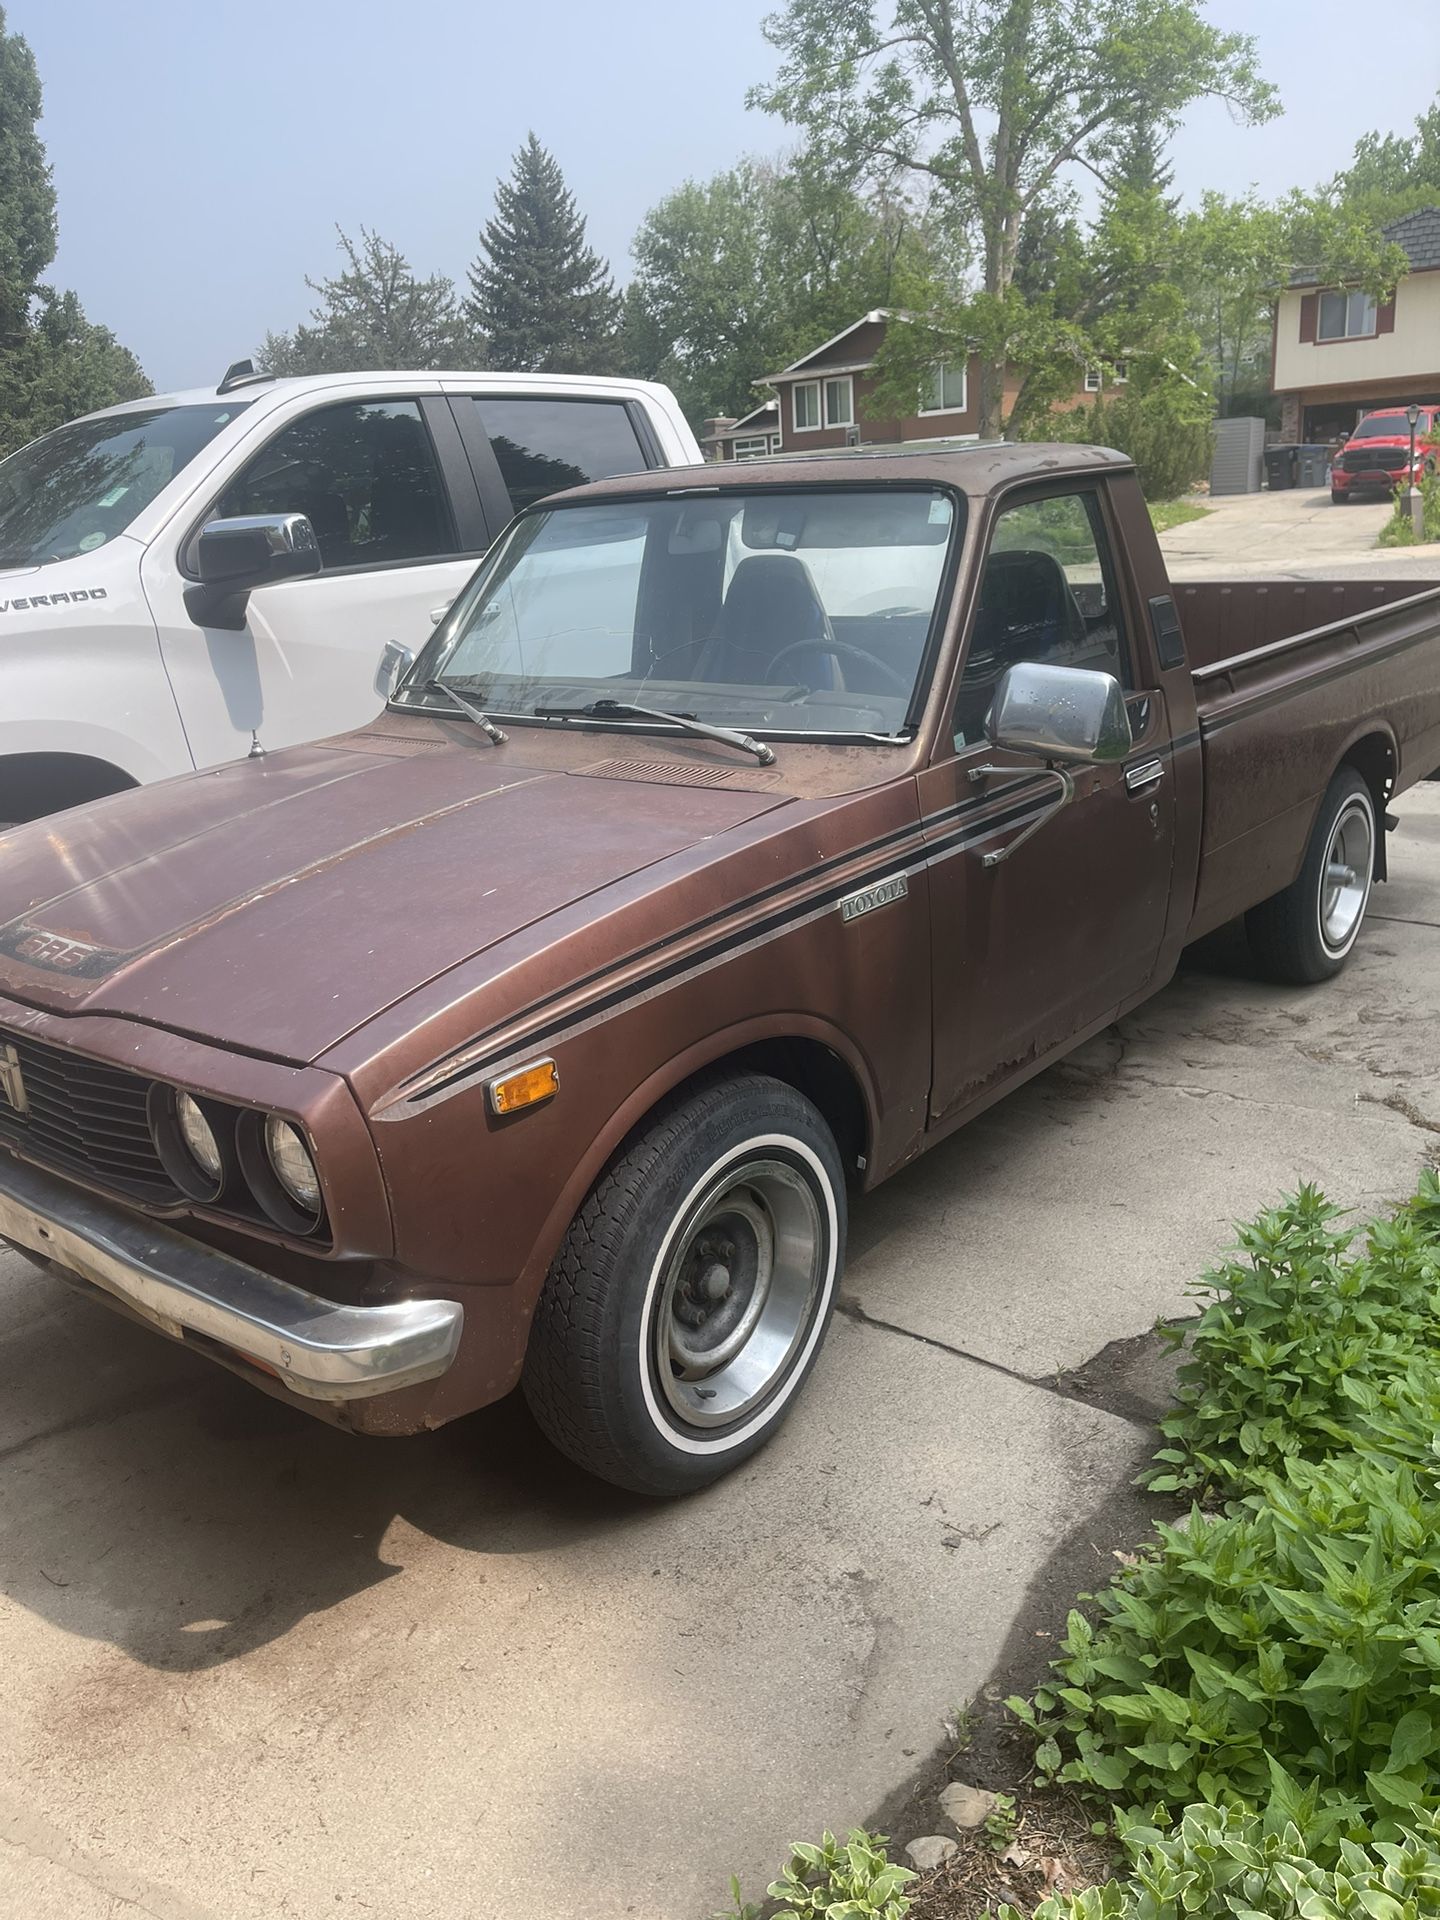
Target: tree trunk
[{"x": 992, "y": 397}]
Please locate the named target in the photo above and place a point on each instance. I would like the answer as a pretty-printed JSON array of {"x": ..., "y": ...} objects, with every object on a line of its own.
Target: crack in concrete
[
  {"x": 27, "y": 1833},
  {"x": 1046, "y": 1383},
  {"x": 1397, "y": 1103},
  {"x": 142, "y": 1400},
  {"x": 1404, "y": 920}
]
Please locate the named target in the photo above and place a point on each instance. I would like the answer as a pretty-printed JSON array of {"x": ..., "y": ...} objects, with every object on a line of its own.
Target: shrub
[
  {"x": 1300, "y": 1352},
  {"x": 1298, "y": 1636},
  {"x": 1399, "y": 529},
  {"x": 1166, "y": 430},
  {"x": 1228, "y": 1865}
]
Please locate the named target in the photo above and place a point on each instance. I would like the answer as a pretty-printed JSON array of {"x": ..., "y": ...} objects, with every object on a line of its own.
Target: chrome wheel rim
[
  {"x": 738, "y": 1293},
  {"x": 1346, "y": 874}
]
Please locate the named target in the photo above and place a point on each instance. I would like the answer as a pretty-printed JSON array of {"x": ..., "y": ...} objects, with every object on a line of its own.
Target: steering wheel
[{"x": 882, "y": 667}]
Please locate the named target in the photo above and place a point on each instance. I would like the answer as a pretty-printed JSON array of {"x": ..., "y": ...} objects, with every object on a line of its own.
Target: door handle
[{"x": 1145, "y": 773}]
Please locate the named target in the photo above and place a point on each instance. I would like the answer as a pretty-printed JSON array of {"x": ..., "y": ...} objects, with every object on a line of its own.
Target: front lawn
[{"x": 1165, "y": 514}]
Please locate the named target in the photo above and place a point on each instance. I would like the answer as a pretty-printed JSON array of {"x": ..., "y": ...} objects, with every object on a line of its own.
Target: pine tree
[
  {"x": 54, "y": 363},
  {"x": 27, "y": 193},
  {"x": 542, "y": 299}
]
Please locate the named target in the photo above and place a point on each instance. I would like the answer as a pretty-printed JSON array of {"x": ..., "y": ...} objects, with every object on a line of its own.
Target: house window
[
  {"x": 945, "y": 390},
  {"x": 807, "y": 405},
  {"x": 1120, "y": 373},
  {"x": 752, "y": 447},
  {"x": 1346, "y": 316},
  {"x": 774, "y": 443},
  {"x": 1092, "y": 379},
  {"x": 840, "y": 402}
]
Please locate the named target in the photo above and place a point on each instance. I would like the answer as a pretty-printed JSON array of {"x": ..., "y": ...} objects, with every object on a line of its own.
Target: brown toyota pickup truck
[{"x": 740, "y": 833}]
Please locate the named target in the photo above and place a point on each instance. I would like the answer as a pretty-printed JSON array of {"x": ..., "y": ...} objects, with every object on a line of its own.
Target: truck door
[
  {"x": 390, "y": 494},
  {"x": 1032, "y": 951}
]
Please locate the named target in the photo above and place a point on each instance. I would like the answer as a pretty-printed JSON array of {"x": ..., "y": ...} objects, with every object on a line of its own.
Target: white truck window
[
  {"x": 544, "y": 444},
  {"x": 366, "y": 477},
  {"x": 76, "y": 488}
]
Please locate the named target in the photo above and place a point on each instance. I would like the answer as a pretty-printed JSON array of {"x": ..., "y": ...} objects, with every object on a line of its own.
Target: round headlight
[
  {"x": 199, "y": 1137},
  {"x": 291, "y": 1163}
]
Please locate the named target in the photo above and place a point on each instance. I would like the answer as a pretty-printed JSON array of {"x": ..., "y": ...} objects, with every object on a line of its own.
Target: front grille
[
  {"x": 84, "y": 1118},
  {"x": 1369, "y": 459}
]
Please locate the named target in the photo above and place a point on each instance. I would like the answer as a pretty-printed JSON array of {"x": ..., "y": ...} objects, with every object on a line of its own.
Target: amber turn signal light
[{"x": 526, "y": 1087}]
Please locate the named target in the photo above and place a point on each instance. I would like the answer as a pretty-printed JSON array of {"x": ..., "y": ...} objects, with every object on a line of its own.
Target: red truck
[
  {"x": 1376, "y": 457},
  {"x": 741, "y": 833}
]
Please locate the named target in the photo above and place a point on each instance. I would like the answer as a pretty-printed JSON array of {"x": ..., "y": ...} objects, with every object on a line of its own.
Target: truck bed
[{"x": 1290, "y": 678}]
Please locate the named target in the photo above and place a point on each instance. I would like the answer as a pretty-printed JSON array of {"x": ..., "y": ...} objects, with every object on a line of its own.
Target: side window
[
  {"x": 1047, "y": 594},
  {"x": 367, "y": 477},
  {"x": 543, "y": 445}
]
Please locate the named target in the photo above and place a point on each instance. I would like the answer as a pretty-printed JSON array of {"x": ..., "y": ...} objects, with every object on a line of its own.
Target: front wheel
[
  {"x": 690, "y": 1298},
  {"x": 1337, "y": 498},
  {"x": 1306, "y": 933}
]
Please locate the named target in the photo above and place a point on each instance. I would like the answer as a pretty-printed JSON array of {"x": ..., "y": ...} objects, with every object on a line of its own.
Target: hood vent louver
[{"x": 674, "y": 773}]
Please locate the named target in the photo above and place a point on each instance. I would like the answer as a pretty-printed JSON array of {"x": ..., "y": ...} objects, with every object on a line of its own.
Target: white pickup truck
[{"x": 118, "y": 665}]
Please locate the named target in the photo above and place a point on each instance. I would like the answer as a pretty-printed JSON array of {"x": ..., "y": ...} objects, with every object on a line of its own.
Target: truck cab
[{"x": 116, "y": 671}]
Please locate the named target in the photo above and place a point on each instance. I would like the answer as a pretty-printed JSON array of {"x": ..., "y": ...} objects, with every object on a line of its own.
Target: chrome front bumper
[{"x": 320, "y": 1350}]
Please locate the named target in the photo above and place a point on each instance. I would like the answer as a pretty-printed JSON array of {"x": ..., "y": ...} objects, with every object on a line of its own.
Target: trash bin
[
  {"x": 1282, "y": 467},
  {"x": 1314, "y": 466}
]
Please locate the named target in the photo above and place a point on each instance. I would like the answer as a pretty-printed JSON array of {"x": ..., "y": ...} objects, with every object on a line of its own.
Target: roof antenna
[{"x": 257, "y": 752}]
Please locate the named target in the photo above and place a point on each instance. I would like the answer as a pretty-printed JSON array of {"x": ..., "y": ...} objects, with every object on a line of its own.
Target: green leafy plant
[
  {"x": 1399, "y": 529},
  {"x": 855, "y": 1880},
  {"x": 1225, "y": 1864},
  {"x": 1301, "y": 1352},
  {"x": 1001, "y": 1823},
  {"x": 1294, "y": 1636},
  {"x": 1297, "y": 1637}
]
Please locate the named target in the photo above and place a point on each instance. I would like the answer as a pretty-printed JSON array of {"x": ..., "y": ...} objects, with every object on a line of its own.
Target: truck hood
[{"x": 275, "y": 905}]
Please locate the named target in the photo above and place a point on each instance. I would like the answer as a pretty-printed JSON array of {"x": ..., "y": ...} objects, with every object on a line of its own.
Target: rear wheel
[
  {"x": 1306, "y": 933},
  {"x": 691, "y": 1296}
]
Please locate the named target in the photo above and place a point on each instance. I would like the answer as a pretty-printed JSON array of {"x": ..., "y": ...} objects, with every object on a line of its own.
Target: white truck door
[{"x": 390, "y": 494}]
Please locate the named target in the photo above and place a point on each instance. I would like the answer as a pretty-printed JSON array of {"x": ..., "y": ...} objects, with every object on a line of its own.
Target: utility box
[{"x": 1239, "y": 447}]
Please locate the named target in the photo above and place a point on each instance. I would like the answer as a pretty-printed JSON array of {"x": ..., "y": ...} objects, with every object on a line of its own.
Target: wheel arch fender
[
  {"x": 807, "y": 1052},
  {"x": 34, "y": 784}
]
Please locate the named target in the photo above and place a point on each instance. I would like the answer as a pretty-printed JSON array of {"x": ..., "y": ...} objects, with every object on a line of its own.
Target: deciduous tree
[
  {"x": 997, "y": 102},
  {"x": 737, "y": 275},
  {"x": 374, "y": 314}
]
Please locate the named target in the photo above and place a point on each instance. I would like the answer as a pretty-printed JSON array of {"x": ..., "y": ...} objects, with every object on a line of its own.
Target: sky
[{"x": 204, "y": 150}]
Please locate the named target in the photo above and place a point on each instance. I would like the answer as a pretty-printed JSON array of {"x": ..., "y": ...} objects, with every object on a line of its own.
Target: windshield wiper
[
  {"x": 470, "y": 710},
  {"x": 628, "y": 709}
]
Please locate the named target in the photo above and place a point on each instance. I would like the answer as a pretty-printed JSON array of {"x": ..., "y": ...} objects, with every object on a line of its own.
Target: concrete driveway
[
  {"x": 249, "y": 1667},
  {"x": 1298, "y": 533}
]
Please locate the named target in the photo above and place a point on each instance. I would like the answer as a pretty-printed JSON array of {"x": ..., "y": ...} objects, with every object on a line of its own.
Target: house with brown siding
[
  {"x": 827, "y": 399},
  {"x": 1339, "y": 353}
]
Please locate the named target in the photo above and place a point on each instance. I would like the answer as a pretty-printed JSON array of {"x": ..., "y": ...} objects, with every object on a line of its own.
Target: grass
[{"x": 1165, "y": 514}]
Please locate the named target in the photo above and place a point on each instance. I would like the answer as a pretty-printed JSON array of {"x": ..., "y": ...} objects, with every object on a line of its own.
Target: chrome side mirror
[
  {"x": 1061, "y": 713},
  {"x": 395, "y": 662},
  {"x": 234, "y": 556}
]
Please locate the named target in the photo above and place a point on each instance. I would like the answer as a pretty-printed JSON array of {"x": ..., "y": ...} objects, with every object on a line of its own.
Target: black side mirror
[{"x": 235, "y": 556}]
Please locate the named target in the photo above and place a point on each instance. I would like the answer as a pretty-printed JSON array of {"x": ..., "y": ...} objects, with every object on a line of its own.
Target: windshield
[
  {"x": 769, "y": 610},
  {"x": 1386, "y": 426},
  {"x": 79, "y": 486}
]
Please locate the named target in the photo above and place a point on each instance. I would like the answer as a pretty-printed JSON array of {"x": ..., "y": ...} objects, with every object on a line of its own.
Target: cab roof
[{"x": 977, "y": 468}]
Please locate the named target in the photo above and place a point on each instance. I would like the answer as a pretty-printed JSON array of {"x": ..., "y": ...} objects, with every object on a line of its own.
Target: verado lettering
[{"x": 54, "y": 599}]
